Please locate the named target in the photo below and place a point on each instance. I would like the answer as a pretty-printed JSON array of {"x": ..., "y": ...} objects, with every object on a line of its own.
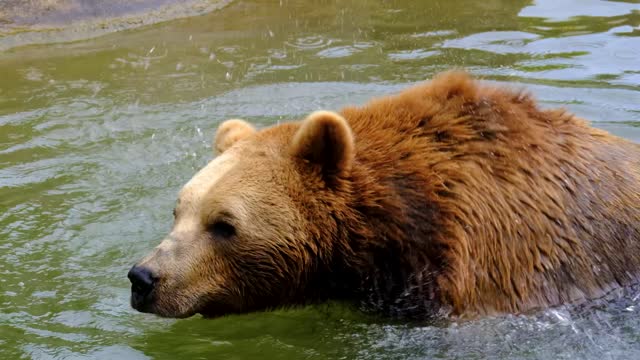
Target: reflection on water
[
  {"x": 96, "y": 137},
  {"x": 563, "y": 10}
]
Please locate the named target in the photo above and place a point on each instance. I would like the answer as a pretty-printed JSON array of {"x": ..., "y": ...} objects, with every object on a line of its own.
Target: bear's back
[{"x": 534, "y": 208}]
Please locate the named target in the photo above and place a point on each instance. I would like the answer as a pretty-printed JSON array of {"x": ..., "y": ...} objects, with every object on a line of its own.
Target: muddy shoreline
[{"x": 49, "y": 21}]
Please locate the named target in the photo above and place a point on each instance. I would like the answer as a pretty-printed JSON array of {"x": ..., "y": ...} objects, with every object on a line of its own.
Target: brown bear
[{"x": 453, "y": 197}]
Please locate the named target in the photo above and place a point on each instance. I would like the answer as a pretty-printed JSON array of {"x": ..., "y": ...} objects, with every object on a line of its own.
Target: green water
[{"x": 97, "y": 136}]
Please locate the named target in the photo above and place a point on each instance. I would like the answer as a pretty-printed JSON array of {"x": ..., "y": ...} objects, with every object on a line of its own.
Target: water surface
[{"x": 97, "y": 136}]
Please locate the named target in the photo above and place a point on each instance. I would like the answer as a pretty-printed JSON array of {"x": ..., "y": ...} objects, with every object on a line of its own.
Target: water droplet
[{"x": 227, "y": 76}]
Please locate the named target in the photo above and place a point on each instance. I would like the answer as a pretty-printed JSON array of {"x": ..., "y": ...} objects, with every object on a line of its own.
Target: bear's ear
[
  {"x": 230, "y": 132},
  {"x": 325, "y": 139}
]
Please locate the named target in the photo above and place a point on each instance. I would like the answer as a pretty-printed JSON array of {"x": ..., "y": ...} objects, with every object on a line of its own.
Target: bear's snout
[{"x": 142, "y": 283}]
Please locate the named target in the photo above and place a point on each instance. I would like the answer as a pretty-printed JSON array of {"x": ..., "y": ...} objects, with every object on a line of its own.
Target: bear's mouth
[
  {"x": 167, "y": 307},
  {"x": 147, "y": 305},
  {"x": 142, "y": 302}
]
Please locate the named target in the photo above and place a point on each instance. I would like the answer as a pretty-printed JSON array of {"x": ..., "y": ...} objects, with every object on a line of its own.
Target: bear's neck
[{"x": 388, "y": 262}]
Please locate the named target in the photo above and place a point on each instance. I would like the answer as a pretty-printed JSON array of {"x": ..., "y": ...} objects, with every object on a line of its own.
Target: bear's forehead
[
  {"x": 253, "y": 155},
  {"x": 207, "y": 177}
]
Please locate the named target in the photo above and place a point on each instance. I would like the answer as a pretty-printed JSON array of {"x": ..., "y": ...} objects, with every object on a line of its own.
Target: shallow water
[{"x": 97, "y": 136}]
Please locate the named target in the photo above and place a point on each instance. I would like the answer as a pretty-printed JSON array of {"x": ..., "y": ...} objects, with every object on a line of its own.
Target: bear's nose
[{"x": 142, "y": 280}]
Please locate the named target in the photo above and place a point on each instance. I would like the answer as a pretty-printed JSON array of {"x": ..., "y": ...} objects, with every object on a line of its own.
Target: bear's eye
[{"x": 222, "y": 229}]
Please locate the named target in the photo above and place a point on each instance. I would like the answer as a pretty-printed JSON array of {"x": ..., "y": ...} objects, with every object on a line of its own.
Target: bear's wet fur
[
  {"x": 472, "y": 197},
  {"x": 452, "y": 197}
]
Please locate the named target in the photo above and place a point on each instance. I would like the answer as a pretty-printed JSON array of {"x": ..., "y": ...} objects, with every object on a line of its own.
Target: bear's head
[{"x": 256, "y": 228}]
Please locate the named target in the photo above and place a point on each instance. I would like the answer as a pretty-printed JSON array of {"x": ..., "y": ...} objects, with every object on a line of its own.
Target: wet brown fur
[
  {"x": 516, "y": 208},
  {"x": 453, "y": 196}
]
